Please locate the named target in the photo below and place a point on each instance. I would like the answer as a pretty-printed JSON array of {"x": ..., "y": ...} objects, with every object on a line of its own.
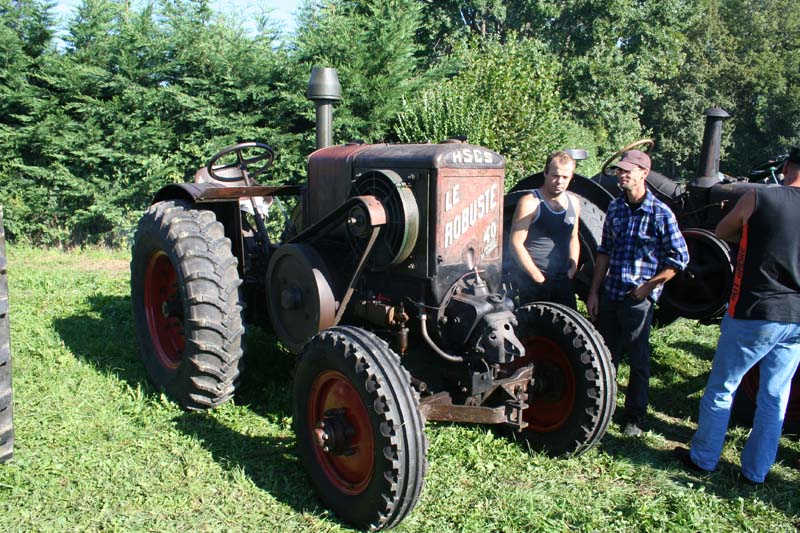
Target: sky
[{"x": 282, "y": 10}]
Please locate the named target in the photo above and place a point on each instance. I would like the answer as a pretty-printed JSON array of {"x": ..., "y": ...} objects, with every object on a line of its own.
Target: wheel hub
[
  {"x": 333, "y": 433},
  {"x": 552, "y": 391},
  {"x": 164, "y": 314},
  {"x": 551, "y": 384},
  {"x": 291, "y": 298}
]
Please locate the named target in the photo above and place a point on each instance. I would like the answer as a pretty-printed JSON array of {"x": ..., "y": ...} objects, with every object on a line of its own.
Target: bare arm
[
  {"x": 526, "y": 210},
  {"x": 574, "y": 240},
  {"x": 730, "y": 227}
]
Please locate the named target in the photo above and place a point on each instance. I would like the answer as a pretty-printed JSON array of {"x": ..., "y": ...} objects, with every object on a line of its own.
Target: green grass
[{"x": 97, "y": 449}]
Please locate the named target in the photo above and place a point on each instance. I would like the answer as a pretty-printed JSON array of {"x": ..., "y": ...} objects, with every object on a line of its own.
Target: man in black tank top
[
  {"x": 544, "y": 236},
  {"x": 761, "y": 326}
]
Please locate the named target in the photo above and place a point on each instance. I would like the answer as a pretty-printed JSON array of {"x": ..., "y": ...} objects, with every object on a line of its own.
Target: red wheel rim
[
  {"x": 350, "y": 473},
  {"x": 550, "y": 410},
  {"x": 162, "y": 309},
  {"x": 749, "y": 387}
]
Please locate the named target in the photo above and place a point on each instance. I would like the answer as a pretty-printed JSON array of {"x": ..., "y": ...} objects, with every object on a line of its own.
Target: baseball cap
[{"x": 632, "y": 159}]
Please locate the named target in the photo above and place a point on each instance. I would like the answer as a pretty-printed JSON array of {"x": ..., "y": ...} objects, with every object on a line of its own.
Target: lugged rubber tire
[
  {"x": 377, "y": 485},
  {"x": 574, "y": 410},
  {"x": 6, "y": 392},
  {"x": 187, "y": 305}
]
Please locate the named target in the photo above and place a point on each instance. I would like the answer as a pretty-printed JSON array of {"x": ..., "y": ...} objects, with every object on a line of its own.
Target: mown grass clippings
[{"x": 98, "y": 449}]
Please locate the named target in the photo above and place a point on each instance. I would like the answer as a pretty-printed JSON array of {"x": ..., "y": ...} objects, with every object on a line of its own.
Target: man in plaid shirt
[{"x": 642, "y": 248}]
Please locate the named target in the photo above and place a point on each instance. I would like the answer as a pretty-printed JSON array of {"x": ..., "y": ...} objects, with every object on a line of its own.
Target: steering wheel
[
  {"x": 649, "y": 142},
  {"x": 247, "y": 154}
]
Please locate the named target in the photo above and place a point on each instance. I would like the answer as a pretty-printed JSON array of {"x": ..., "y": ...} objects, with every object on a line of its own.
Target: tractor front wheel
[
  {"x": 573, "y": 393},
  {"x": 186, "y": 304},
  {"x": 360, "y": 434}
]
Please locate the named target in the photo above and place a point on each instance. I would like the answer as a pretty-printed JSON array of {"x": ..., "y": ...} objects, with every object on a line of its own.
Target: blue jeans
[
  {"x": 625, "y": 327},
  {"x": 775, "y": 347}
]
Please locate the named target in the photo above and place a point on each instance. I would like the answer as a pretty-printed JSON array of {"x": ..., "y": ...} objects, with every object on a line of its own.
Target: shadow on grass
[
  {"x": 105, "y": 337},
  {"x": 697, "y": 349},
  {"x": 269, "y": 462},
  {"x": 266, "y": 385},
  {"x": 677, "y": 398},
  {"x": 779, "y": 491}
]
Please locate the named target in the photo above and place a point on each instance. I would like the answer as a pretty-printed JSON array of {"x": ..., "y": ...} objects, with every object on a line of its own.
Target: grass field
[{"x": 97, "y": 449}]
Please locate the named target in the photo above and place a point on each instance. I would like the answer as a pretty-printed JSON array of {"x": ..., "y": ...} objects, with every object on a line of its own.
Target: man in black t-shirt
[{"x": 761, "y": 326}]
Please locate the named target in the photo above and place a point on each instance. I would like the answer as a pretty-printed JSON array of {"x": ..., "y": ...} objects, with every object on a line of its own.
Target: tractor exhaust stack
[
  {"x": 324, "y": 90},
  {"x": 708, "y": 173}
]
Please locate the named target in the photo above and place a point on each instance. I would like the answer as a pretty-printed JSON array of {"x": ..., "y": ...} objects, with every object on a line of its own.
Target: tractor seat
[
  {"x": 232, "y": 177},
  {"x": 263, "y": 203}
]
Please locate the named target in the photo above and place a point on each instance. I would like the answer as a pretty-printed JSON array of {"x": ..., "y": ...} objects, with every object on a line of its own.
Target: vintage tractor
[
  {"x": 701, "y": 291},
  {"x": 386, "y": 281},
  {"x": 6, "y": 407}
]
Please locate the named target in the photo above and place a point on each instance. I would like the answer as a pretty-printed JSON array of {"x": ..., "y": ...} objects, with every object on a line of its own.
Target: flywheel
[
  {"x": 299, "y": 294},
  {"x": 703, "y": 288}
]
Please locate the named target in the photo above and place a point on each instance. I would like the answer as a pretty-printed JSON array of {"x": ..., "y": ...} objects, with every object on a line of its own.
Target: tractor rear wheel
[
  {"x": 186, "y": 304},
  {"x": 6, "y": 407},
  {"x": 573, "y": 394},
  {"x": 744, "y": 403},
  {"x": 360, "y": 434}
]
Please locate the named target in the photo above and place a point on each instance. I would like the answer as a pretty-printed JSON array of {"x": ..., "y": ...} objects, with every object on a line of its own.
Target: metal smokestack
[
  {"x": 708, "y": 173},
  {"x": 324, "y": 90}
]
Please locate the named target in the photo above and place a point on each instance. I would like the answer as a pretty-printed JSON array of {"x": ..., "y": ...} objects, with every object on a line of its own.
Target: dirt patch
[
  {"x": 117, "y": 266},
  {"x": 90, "y": 261}
]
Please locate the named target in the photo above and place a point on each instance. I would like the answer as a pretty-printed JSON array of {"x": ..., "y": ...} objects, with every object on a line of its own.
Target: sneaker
[
  {"x": 632, "y": 429},
  {"x": 684, "y": 457}
]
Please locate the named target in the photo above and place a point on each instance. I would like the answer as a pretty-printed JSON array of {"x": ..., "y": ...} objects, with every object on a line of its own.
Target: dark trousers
[
  {"x": 625, "y": 327},
  {"x": 555, "y": 289}
]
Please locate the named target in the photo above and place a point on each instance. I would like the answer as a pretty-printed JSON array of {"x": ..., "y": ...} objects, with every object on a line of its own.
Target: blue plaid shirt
[{"x": 640, "y": 244}]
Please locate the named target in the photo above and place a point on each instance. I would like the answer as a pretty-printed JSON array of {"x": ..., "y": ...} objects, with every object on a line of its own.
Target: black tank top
[
  {"x": 548, "y": 237},
  {"x": 766, "y": 285}
]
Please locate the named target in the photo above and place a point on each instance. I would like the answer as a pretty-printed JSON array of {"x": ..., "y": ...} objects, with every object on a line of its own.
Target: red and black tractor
[{"x": 387, "y": 281}]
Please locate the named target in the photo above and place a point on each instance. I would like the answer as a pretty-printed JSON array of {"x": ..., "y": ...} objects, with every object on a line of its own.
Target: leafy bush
[{"x": 505, "y": 98}]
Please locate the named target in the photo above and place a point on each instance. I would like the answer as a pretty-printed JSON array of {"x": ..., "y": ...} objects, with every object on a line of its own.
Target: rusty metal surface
[
  {"x": 330, "y": 171},
  {"x": 469, "y": 215},
  {"x": 212, "y": 192},
  {"x": 356, "y": 274},
  {"x": 224, "y": 193},
  {"x": 439, "y": 407},
  {"x": 377, "y": 213},
  {"x": 371, "y": 207},
  {"x": 300, "y": 296},
  {"x": 456, "y": 155}
]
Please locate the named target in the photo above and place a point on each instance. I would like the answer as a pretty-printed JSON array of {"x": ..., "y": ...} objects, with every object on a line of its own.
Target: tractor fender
[
  {"x": 215, "y": 192},
  {"x": 191, "y": 192}
]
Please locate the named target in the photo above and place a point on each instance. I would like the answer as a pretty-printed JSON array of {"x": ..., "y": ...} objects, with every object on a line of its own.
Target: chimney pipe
[
  {"x": 708, "y": 173},
  {"x": 324, "y": 90}
]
